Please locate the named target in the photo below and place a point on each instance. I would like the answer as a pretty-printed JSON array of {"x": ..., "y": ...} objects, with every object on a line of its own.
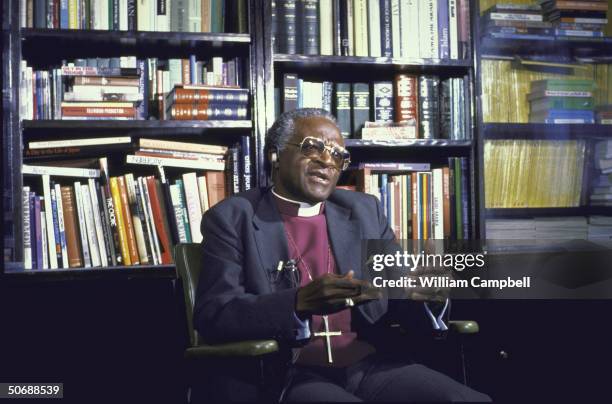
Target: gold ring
[{"x": 348, "y": 302}]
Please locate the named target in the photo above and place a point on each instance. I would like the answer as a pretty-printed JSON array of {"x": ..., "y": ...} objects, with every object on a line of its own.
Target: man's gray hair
[{"x": 284, "y": 127}]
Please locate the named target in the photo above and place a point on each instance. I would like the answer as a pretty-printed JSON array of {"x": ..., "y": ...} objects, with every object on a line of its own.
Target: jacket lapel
[{"x": 269, "y": 235}]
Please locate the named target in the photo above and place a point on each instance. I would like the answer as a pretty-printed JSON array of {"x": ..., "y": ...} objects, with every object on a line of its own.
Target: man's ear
[{"x": 273, "y": 157}]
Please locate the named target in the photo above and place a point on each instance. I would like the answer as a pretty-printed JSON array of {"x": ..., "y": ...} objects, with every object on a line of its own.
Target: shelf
[
  {"x": 545, "y": 131},
  {"x": 107, "y": 273},
  {"x": 133, "y": 37},
  {"x": 412, "y": 143},
  {"x": 516, "y": 213},
  {"x": 303, "y": 62},
  {"x": 597, "y": 50}
]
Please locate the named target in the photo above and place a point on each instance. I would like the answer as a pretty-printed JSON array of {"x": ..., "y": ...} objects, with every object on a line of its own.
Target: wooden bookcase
[{"x": 48, "y": 47}]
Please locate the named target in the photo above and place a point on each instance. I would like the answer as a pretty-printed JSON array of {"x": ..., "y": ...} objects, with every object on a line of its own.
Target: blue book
[
  {"x": 384, "y": 197},
  {"x": 300, "y": 92},
  {"x": 386, "y": 46},
  {"x": 143, "y": 79},
  {"x": 245, "y": 150},
  {"x": 567, "y": 113},
  {"x": 504, "y": 35},
  {"x": 31, "y": 202},
  {"x": 179, "y": 184},
  {"x": 37, "y": 240},
  {"x": 64, "y": 14},
  {"x": 58, "y": 243},
  {"x": 193, "y": 69},
  {"x": 579, "y": 33},
  {"x": 465, "y": 198},
  {"x": 443, "y": 37}
]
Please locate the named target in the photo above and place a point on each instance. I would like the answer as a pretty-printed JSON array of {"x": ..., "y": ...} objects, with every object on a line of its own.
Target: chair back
[{"x": 188, "y": 257}]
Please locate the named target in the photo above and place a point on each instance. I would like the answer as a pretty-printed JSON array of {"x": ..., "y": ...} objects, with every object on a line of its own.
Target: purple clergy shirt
[{"x": 309, "y": 245}]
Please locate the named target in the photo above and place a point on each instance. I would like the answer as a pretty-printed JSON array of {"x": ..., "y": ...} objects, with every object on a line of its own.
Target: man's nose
[{"x": 326, "y": 157}]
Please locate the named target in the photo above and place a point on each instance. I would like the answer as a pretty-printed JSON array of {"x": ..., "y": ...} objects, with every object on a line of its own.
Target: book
[
  {"x": 174, "y": 162},
  {"x": 360, "y": 105}
]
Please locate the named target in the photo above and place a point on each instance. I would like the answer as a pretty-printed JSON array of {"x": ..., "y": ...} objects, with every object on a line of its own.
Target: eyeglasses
[{"x": 313, "y": 148}]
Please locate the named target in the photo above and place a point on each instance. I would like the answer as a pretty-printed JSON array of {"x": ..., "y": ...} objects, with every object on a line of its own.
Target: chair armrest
[
  {"x": 464, "y": 326},
  {"x": 233, "y": 349}
]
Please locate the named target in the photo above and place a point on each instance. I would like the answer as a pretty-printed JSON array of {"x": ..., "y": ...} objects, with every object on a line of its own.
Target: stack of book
[
  {"x": 82, "y": 217},
  {"x": 510, "y": 229},
  {"x": 561, "y": 101},
  {"x": 519, "y": 21},
  {"x": 601, "y": 193},
  {"x": 190, "y": 102},
  {"x": 533, "y": 173},
  {"x": 420, "y": 202},
  {"x": 600, "y": 228},
  {"x": 410, "y": 106},
  {"x": 431, "y": 29},
  {"x": 604, "y": 114},
  {"x": 561, "y": 228},
  {"x": 132, "y": 15},
  {"x": 577, "y": 18}
]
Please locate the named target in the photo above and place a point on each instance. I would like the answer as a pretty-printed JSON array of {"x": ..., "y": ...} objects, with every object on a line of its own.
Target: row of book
[
  {"x": 549, "y": 19},
  {"x": 594, "y": 228},
  {"x": 123, "y": 220},
  {"x": 419, "y": 201},
  {"x": 430, "y": 107},
  {"x": 601, "y": 191},
  {"x": 128, "y": 88},
  {"x": 561, "y": 101},
  {"x": 506, "y": 89},
  {"x": 428, "y": 29},
  {"x": 136, "y": 15},
  {"x": 534, "y": 173}
]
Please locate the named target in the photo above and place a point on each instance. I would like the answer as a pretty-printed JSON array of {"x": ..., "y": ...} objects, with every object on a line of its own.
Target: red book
[
  {"x": 406, "y": 98},
  {"x": 112, "y": 112},
  {"x": 159, "y": 219}
]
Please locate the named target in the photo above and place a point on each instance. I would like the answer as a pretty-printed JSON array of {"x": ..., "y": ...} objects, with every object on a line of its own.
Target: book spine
[
  {"x": 310, "y": 31},
  {"x": 374, "y": 29},
  {"x": 463, "y": 25},
  {"x": 121, "y": 226},
  {"x": 73, "y": 245},
  {"x": 92, "y": 237},
  {"x": 155, "y": 243},
  {"x": 49, "y": 223},
  {"x": 136, "y": 216},
  {"x": 287, "y": 26},
  {"x": 97, "y": 220},
  {"x": 245, "y": 151},
  {"x": 215, "y": 182},
  {"x": 106, "y": 224},
  {"x": 161, "y": 223},
  {"x": 443, "y": 27},
  {"x": 129, "y": 225},
  {"x": 446, "y": 207},
  {"x": 194, "y": 209},
  {"x": 144, "y": 225},
  {"x": 406, "y": 98},
  {"x": 27, "y": 234},
  {"x": 38, "y": 234},
  {"x": 452, "y": 199},
  {"x": 458, "y": 198},
  {"x": 326, "y": 27},
  {"x": 429, "y": 108},
  {"x": 361, "y": 106},
  {"x": 44, "y": 239},
  {"x": 465, "y": 198},
  {"x": 343, "y": 108},
  {"x": 235, "y": 166},
  {"x": 438, "y": 204},
  {"x": 171, "y": 225},
  {"x": 410, "y": 31},
  {"x": 383, "y": 102},
  {"x": 290, "y": 92},
  {"x": 178, "y": 213},
  {"x": 360, "y": 24},
  {"x": 386, "y": 31},
  {"x": 61, "y": 226},
  {"x": 342, "y": 27},
  {"x": 82, "y": 226},
  {"x": 203, "y": 202},
  {"x": 274, "y": 26}
]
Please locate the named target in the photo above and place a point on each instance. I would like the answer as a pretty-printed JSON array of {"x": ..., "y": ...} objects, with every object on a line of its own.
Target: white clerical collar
[{"x": 305, "y": 209}]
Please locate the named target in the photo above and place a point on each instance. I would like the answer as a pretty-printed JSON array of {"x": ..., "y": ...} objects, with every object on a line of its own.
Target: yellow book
[{"x": 123, "y": 240}]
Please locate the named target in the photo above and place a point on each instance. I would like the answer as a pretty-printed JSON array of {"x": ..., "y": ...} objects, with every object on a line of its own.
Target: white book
[
  {"x": 82, "y": 226},
  {"x": 80, "y": 142},
  {"x": 203, "y": 190},
  {"x": 27, "y": 234},
  {"x": 313, "y": 94},
  {"x": 217, "y": 63},
  {"x": 123, "y": 15},
  {"x": 142, "y": 15},
  {"x": 153, "y": 16},
  {"x": 60, "y": 171},
  {"x": 60, "y": 225},
  {"x": 163, "y": 18},
  {"x": 154, "y": 239},
  {"x": 43, "y": 236},
  {"x": 95, "y": 13},
  {"x": 136, "y": 223},
  {"x": 49, "y": 222},
  {"x": 192, "y": 201},
  {"x": 428, "y": 29},
  {"x": 409, "y": 14},
  {"x": 178, "y": 212},
  {"x": 92, "y": 237},
  {"x": 453, "y": 29},
  {"x": 374, "y": 28},
  {"x": 326, "y": 29},
  {"x": 195, "y": 16},
  {"x": 438, "y": 203},
  {"x": 171, "y": 162},
  {"x": 30, "y": 90},
  {"x": 360, "y": 24},
  {"x": 396, "y": 32},
  {"x": 97, "y": 218},
  {"x": 182, "y": 146},
  {"x": 86, "y": 90},
  {"x": 103, "y": 14}
]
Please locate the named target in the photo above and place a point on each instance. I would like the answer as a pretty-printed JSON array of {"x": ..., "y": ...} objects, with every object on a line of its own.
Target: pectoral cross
[{"x": 328, "y": 334}]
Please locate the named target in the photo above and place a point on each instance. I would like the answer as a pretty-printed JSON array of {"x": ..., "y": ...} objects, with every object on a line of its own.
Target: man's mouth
[{"x": 319, "y": 176}]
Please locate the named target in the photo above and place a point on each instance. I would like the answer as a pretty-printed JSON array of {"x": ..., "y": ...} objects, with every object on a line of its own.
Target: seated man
[{"x": 283, "y": 264}]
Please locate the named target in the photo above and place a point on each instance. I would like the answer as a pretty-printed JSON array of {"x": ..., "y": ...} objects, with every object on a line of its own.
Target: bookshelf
[
  {"x": 46, "y": 48},
  {"x": 505, "y": 64}
]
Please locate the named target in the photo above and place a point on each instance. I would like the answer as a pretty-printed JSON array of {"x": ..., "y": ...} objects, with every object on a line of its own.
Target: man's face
[{"x": 307, "y": 179}]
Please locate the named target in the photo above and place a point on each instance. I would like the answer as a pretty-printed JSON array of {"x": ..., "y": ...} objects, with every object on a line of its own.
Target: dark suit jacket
[{"x": 244, "y": 239}]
